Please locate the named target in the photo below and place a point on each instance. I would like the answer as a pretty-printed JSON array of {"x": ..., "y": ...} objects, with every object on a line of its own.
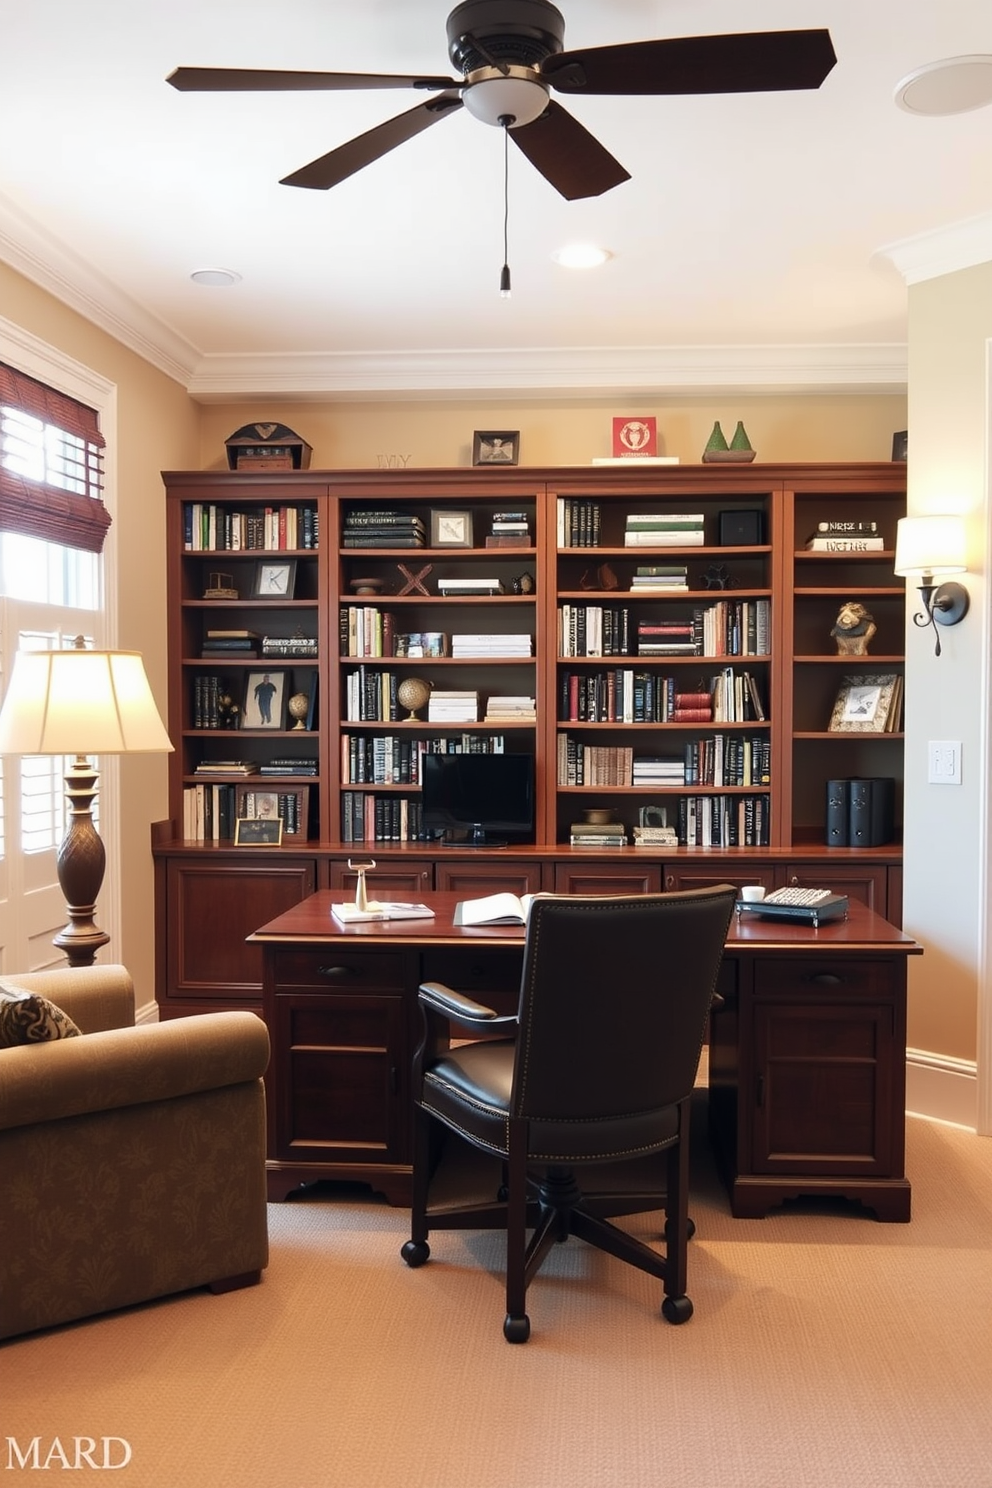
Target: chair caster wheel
[
  {"x": 690, "y": 1230},
  {"x": 516, "y": 1330},
  {"x": 415, "y": 1252},
  {"x": 676, "y": 1310}
]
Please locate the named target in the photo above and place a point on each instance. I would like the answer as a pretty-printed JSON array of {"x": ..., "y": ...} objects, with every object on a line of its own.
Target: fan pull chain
[{"x": 504, "y": 279}]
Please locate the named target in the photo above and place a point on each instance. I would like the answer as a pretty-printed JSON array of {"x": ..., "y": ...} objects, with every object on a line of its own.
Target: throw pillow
[{"x": 28, "y": 1018}]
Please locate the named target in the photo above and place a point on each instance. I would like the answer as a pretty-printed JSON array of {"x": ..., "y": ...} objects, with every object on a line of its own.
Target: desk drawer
[
  {"x": 478, "y": 974},
  {"x": 336, "y": 967},
  {"x": 826, "y": 979}
]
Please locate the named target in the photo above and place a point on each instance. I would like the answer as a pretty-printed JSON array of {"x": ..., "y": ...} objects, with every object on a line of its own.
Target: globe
[
  {"x": 298, "y": 706},
  {"x": 413, "y": 693}
]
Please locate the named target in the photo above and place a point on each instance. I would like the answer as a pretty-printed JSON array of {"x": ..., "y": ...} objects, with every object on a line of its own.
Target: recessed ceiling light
[
  {"x": 216, "y": 278},
  {"x": 955, "y": 86},
  {"x": 581, "y": 256}
]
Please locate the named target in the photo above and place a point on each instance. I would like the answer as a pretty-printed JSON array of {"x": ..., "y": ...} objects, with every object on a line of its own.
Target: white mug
[{"x": 752, "y": 893}]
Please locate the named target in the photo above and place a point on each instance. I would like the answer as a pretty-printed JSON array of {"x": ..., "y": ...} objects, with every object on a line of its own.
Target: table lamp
[{"x": 80, "y": 702}]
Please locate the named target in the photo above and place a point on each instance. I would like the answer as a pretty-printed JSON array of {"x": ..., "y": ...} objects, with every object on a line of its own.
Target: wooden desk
[{"x": 806, "y": 1063}]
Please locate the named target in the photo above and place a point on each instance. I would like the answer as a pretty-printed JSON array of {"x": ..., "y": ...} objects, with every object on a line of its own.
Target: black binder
[
  {"x": 872, "y": 813},
  {"x": 838, "y": 813}
]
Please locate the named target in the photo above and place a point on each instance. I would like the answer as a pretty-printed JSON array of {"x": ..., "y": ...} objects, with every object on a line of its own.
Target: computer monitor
[{"x": 478, "y": 800}]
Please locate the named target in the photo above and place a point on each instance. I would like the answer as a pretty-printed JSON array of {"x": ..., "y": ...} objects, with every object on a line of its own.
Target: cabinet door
[
  {"x": 339, "y": 1074},
  {"x": 486, "y": 877},
  {"x": 210, "y": 909},
  {"x": 823, "y": 1089},
  {"x": 574, "y": 877},
  {"x": 867, "y": 882}
]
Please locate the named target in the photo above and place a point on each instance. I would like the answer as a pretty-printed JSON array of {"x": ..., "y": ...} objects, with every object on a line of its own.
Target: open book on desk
[
  {"x": 496, "y": 909},
  {"x": 350, "y": 914}
]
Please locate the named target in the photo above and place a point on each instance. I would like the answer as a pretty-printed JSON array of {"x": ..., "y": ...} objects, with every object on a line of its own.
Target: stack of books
[
  {"x": 226, "y": 767},
  {"x": 289, "y": 765},
  {"x": 660, "y": 578},
  {"x": 232, "y": 644},
  {"x": 453, "y": 707},
  {"x": 510, "y": 529},
  {"x": 486, "y": 644},
  {"x": 471, "y": 587},
  {"x": 659, "y": 772},
  {"x": 664, "y": 530},
  {"x": 846, "y": 537},
  {"x": 692, "y": 707},
  {"x": 672, "y": 637},
  {"x": 509, "y": 709},
  {"x": 656, "y": 837},
  {"x": 597, "y": 834},
  {"x": 383, "y": 529},
  {"x": 297, "y": 645}
]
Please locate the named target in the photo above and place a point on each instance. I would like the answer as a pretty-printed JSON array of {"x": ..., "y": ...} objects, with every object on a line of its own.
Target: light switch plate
[{"x": 944, "y": 762}]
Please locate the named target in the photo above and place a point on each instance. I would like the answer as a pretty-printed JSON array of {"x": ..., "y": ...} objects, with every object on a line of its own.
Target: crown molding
[
  {"x": 47, "y": 262},
  {"x": 546, "y": 372},
  {"x": 459, "y": 375},
  {"x": 945, "y": 250}
]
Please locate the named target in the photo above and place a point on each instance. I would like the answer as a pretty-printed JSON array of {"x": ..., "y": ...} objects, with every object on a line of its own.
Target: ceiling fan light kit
[{"x": 510, "y": 54}]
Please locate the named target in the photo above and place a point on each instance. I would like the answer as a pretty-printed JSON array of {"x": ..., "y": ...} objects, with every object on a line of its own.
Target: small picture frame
[
  {"x": 274, "y": 578},
  {"x": 265, "y": 701},
  {"x": 495, "y": 446},
  {"x": 257, "y": 831},
  {"x": 451, "y": 529}
]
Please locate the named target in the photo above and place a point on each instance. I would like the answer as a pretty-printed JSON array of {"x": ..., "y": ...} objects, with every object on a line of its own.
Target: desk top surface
[{"x": 311, "y": 921}]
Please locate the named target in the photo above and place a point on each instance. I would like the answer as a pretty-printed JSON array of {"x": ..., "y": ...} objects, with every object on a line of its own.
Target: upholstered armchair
[{"x": 132, "y": 1159}]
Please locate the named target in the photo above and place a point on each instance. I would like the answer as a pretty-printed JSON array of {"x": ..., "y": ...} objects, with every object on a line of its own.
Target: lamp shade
[
  {"x": 933, "y": 545},
  {"x": 80, "y": 702}
]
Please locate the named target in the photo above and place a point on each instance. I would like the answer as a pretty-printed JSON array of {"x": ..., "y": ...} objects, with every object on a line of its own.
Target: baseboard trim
[
  {"x": 147, "y": 1014},
  {"x": 941, "y": 1088}
]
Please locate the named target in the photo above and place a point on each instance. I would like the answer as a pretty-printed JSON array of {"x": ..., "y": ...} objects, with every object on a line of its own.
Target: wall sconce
[
  {"x": 79, "y": 702},
  {"x": 926, "y": 546}
]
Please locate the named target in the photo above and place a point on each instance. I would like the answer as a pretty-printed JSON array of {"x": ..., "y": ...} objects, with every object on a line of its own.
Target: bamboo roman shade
[{"x": 51, "y": 452}]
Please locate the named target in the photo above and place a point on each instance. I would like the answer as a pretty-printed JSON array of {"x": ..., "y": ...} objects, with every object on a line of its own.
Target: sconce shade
[
  {"x": 932, "y": 545},
  {"x": 80, "y": 702}
]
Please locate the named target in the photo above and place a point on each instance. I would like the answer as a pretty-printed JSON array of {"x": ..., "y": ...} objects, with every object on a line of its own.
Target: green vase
[
  {"x": 740, "y": 440},
  {"x": 716, "y": 441}
]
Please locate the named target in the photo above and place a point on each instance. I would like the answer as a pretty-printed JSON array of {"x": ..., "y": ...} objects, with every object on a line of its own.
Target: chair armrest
[
  {"x": 462, "y": 1010},
  {"x": 95, "y": 997},
  {"x": 130, "y": 1066}
]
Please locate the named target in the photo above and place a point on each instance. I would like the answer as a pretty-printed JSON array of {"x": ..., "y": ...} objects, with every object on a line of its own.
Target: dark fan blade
[
  {"x": 257, "y": 80},
  {"x": 347, "y": 159},
  {"x": 567, "y": 155},
  {"x": 754, "y": 62}
]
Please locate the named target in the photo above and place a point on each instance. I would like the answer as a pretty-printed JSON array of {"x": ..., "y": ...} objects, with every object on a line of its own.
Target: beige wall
[
  {"x": 362, "y": 435},
  {"x": 157, "y": 430},
  {"x": 950, "y": 322}
]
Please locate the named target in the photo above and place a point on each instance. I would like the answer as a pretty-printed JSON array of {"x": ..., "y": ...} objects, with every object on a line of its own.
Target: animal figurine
[{"x": 853, "y": 629}]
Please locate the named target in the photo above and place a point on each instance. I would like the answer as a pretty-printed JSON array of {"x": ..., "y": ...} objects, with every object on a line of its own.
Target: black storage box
[{"x": 741, "y": 529}]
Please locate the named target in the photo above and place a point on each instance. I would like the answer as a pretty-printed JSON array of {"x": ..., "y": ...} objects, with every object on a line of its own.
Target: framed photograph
[
  {"x": 286, "y": 804},
  {"x": 451, "y": 529},
  {"x": 499, "y": 447},
  {"x": 274, "y": 578},
  {"x": 863, "y": 705},
  {"x": 257, "y": 832},
  {"x": 265, "y": 701}
]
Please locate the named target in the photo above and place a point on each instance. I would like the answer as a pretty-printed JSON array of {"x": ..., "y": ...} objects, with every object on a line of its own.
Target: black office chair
[{"x": 599, "y": 1068}]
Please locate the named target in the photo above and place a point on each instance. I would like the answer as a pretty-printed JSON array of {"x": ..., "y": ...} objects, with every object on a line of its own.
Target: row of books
[
  {"x": 593, "y": 764},
  {"x": 727, "y": 627},
  {"x": 366, "y": 817},
  {"x": 625, "y": 695},
  {"x": 392, "y": 759},
  {"x": 578, "y": 522},
  {"x": 385, "y": 528},
  {"x": 211, "y": 528},
  {"x": 366, "y": 630},
  {"x": 211, "y": 811},
  {"x": 664, "y": 530},
  {"x": 729, "y": 759},
  {"x": 724, "y": 821}
]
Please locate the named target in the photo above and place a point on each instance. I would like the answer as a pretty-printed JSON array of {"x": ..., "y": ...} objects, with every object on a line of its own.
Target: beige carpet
[{"x": 826, "y": 1351}]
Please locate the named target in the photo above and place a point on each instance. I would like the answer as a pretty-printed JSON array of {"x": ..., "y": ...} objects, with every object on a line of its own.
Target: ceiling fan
[{"x": 510, "y": 54}]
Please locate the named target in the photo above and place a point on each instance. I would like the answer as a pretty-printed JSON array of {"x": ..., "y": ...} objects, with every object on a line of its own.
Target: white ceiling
[{"x": 745, "y": 246}]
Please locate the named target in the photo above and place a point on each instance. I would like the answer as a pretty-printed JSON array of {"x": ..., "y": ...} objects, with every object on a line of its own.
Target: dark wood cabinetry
[{"x": 211, "y": 894}]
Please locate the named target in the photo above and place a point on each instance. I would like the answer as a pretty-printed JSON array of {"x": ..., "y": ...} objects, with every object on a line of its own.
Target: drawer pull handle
[
  {"x": 338, "y": 972},
  {"x": 826, "y": 979}
]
